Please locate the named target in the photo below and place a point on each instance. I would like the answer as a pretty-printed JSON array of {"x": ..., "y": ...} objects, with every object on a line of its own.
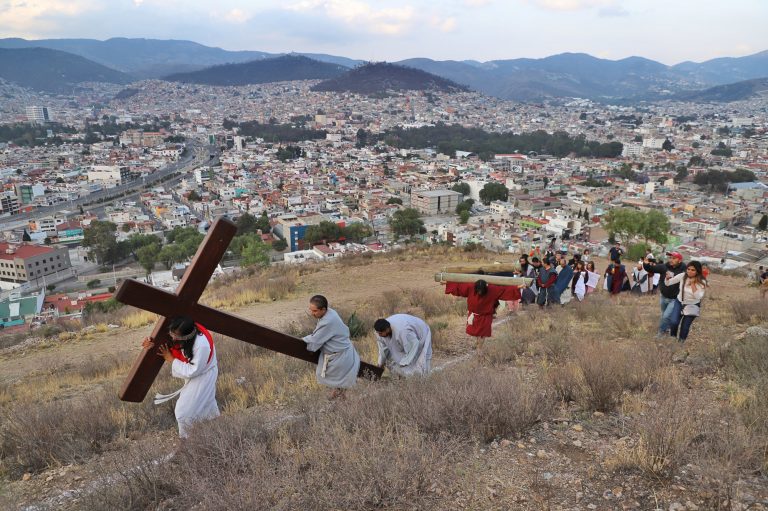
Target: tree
[
  {"x": 324, "y": 231},
  {"x": 362, "y": 138},
  {"x": 622, "y": 222},
  {"x": 147, "y": 256},
  {"x": 493, "y": 191},
  {"x": 762, "y": 225},
  {"x": 667, "y": 145},
  {"x": 696, "y": 161},
  {"x": 99, "y": 238},
  {"x": 463, "y": 216},
  {"x": 255, "y": 253},
  {"x": 654, "y": 227},
  {"x": 742, "y": 176},
  {"x": 171, "y": 254},
  {"x": 462, "y": 188},
  {"x": 246, "y": 224},
  {"x": 263, "y": 223},
  {"x": 406, "y": 222},
  {"x": 465, "y": 205},
  {"x": 356, "y": 232},
  {"x": 395, "y": 200},
  {"x": 194, "y": 196},
  {"x": 682, "y": 173},
  {"x": 279, "y": 245}
]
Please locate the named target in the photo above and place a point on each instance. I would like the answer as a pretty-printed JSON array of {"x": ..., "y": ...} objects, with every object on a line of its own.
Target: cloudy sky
[{"x": 669, "y": 31}]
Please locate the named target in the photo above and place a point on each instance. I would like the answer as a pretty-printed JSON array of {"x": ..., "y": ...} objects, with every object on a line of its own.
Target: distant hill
[
  {"x": 289, "y": 67},
  {"x": 726, "y": 69},
  {"x": 155, "y": 58},
  {"x": 53, "y": 71},
  {"x": 727, "y": 93},
  {"x": 381, "y": 77}
]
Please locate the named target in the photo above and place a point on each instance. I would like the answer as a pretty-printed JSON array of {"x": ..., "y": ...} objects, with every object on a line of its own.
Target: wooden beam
[{"x": 491, "y": 279}]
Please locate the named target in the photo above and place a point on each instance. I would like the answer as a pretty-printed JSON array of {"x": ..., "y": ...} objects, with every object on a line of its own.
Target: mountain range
[
  {"x": 563, "y": 75},
  {"x": 380, "y": 77}
]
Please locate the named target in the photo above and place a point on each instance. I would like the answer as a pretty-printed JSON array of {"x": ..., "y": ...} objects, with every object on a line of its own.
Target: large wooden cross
[{"x": 184, "y": 302}]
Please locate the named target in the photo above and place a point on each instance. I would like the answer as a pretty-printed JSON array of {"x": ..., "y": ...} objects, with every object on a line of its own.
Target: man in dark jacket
[{"x": 670, "y": 307}]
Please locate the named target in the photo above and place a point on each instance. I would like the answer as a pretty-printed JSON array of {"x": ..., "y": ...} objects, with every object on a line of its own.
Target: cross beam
[{"x": 184, "y": 302}]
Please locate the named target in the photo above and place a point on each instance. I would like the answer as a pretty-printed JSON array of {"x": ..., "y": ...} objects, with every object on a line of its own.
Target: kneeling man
[{"x": 405, "y": 345}]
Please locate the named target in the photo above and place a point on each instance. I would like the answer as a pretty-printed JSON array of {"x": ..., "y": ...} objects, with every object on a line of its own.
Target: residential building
[
  {"x": 108, "y": 175},
  {"x": 435, "y": 202},
  {"x": 39, "y": 114},
  {"x": 20, "y": 263}
]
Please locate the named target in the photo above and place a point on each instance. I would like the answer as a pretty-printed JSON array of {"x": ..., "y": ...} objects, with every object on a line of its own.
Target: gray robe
[
  {"x": 408, "y": 351},
  {"x": 339, "y": 362}
]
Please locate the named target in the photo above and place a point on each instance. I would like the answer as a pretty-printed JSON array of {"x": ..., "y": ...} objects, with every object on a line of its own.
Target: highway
[{"x": 196, "y": 156}]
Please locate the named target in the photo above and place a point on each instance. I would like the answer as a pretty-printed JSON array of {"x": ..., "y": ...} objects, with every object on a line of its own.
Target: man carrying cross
[
  {"x": 339, "y": 361},
  {"x": 192, "y": 358}
]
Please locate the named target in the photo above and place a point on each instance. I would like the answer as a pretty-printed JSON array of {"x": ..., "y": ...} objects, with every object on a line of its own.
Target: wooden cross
[{"x": 184, "y": 302}]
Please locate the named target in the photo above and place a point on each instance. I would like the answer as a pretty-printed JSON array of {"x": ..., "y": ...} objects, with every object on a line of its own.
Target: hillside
[
  {"x": 574, "y": 407},
  {"x": 726, "y": 93},
  {"x": 53, "y": 71},
  {"x": 155, "y": 58},
  {"x": 280, "y": 69},
  {"x": 382, "y": 77}
]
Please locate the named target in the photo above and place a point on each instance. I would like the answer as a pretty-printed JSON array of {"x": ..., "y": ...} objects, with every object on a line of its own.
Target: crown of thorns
[{"x": 187, "y": 337}]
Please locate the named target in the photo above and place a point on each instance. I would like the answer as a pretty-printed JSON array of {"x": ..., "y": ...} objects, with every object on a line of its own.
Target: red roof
[{"x": 24, "y": 251}]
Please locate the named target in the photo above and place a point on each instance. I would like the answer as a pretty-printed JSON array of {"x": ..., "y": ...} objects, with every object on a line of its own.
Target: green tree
[
  {"x": 762, "y": 225},
  {"x": 682, "y": 173},
  {"x": 696, "y": 161},
  {"x": 263, "y": 223},
  {"x": 246, "y": 224},
  {"x": 147, "y": 256},
  {"x": 194, "y": 196},
  {"x": 623, "y": 223},
  {"x": 171, "y": 254},
  {"x": 742, "y": 176},
  {"x": 256, "y": 253},
  {"x": 356, "y": 232},
  {"x": 279, "y": 245},
  {"x": 395, "y": 200},
  {"x": 324, "y": 231},
  {"x": 464, "y": 205},
  {"x": 463, "y": 217},
  {"x": 99, "y": 238},
  {"x": 654, "y": 227},
  {"x": 667, "y": 145},
  {"x": 406, "y": 222},
  {"x": 462, "y": 188},
  {"x": 493, "y": 191}
]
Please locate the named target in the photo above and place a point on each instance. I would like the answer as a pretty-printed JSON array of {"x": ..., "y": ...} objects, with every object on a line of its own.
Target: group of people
[
  {"x": 404, "y": 344},
  {"x": 556, "y": 279}
]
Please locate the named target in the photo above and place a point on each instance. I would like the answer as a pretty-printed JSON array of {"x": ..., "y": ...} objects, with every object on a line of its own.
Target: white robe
[
  {"x": 581, "y": 288},
  {"x": 408, "y": 351},
  {"x": 339, "y": 362},
  {"x": 197, "y": 398}
]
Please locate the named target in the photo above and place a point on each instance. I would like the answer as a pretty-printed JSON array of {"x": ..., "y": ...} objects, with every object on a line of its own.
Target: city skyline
[{"x": 668, "y": 32}]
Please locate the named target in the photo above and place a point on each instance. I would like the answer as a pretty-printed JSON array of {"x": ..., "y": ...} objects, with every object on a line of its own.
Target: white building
[
  {"x": 108, "y": 175},
  {"x": 39, "y": 114}
]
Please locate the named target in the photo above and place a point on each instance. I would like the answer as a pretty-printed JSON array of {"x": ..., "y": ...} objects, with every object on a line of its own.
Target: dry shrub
[
  {"x": 602, "y": 371},
  {"x": 566, "y": 382},
  {"x": 9, "y": 340},
  {"x": 748, "y": 311},
  {"x": 667, "y": 430},
  {"x": 389, "y": 303},
  {"x": 48, "y": 434},
  {"x": 138, "y": 318},
  {"x": 605, "y": 371},
  {"x": 557, "y": 341},
  {"x": 99, "y": 367},
  {"x": 464, "y": 402},
  {"x": 506, "y": 346},
  {"x": 324, "y": 462},
  {"x": 433, "y": 302}
]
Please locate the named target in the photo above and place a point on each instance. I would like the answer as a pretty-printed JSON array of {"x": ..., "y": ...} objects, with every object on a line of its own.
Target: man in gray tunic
[
  {"x": 339, "y": 362},
  {"x": 405, "y": 345}
]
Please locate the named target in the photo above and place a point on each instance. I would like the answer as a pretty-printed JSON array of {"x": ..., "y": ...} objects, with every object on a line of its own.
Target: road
[{"x": 197, "y": 155}]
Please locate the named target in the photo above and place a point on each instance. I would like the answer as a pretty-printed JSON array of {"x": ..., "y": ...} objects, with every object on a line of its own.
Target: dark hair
[
  {"x": 535, "y": 259},
  {"x": 524, "y": 256},
  {"x": 184, "y": 326},
  {"x": 697, "y": 266},
  {"x": 319, "y": 301},
  {"x": 381, "y": 325},
  {"x": 481, "y": 287}
]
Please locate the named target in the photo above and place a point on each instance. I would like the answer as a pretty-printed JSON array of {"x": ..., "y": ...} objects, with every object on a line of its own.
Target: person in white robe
[
  {"x": 192, "y": 356},
  {"x": 339, "y": 361},
  {"x": 405, "y": 345}
]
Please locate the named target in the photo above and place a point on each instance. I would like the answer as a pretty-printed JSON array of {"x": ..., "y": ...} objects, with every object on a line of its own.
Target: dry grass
[{"x": 748, "y": 311}]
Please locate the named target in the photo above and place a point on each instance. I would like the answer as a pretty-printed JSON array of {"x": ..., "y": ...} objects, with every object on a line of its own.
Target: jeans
[
  {"x": 670, "y": 313},
  {"x": 685, "y": 327}
]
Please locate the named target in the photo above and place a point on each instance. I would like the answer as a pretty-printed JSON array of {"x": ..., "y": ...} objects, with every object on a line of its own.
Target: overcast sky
[{"x": 669, "y": 31}]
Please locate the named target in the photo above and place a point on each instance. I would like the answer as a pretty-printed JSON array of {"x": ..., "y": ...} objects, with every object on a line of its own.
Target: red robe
[{"x": 483, "y": 307}]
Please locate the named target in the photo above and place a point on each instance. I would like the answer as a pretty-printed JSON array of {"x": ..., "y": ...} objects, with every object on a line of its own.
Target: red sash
[{"x": 178, "y": 354}]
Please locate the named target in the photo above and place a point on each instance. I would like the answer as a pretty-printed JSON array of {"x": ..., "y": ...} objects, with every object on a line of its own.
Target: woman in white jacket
[{"x": 692, "y": 286}]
